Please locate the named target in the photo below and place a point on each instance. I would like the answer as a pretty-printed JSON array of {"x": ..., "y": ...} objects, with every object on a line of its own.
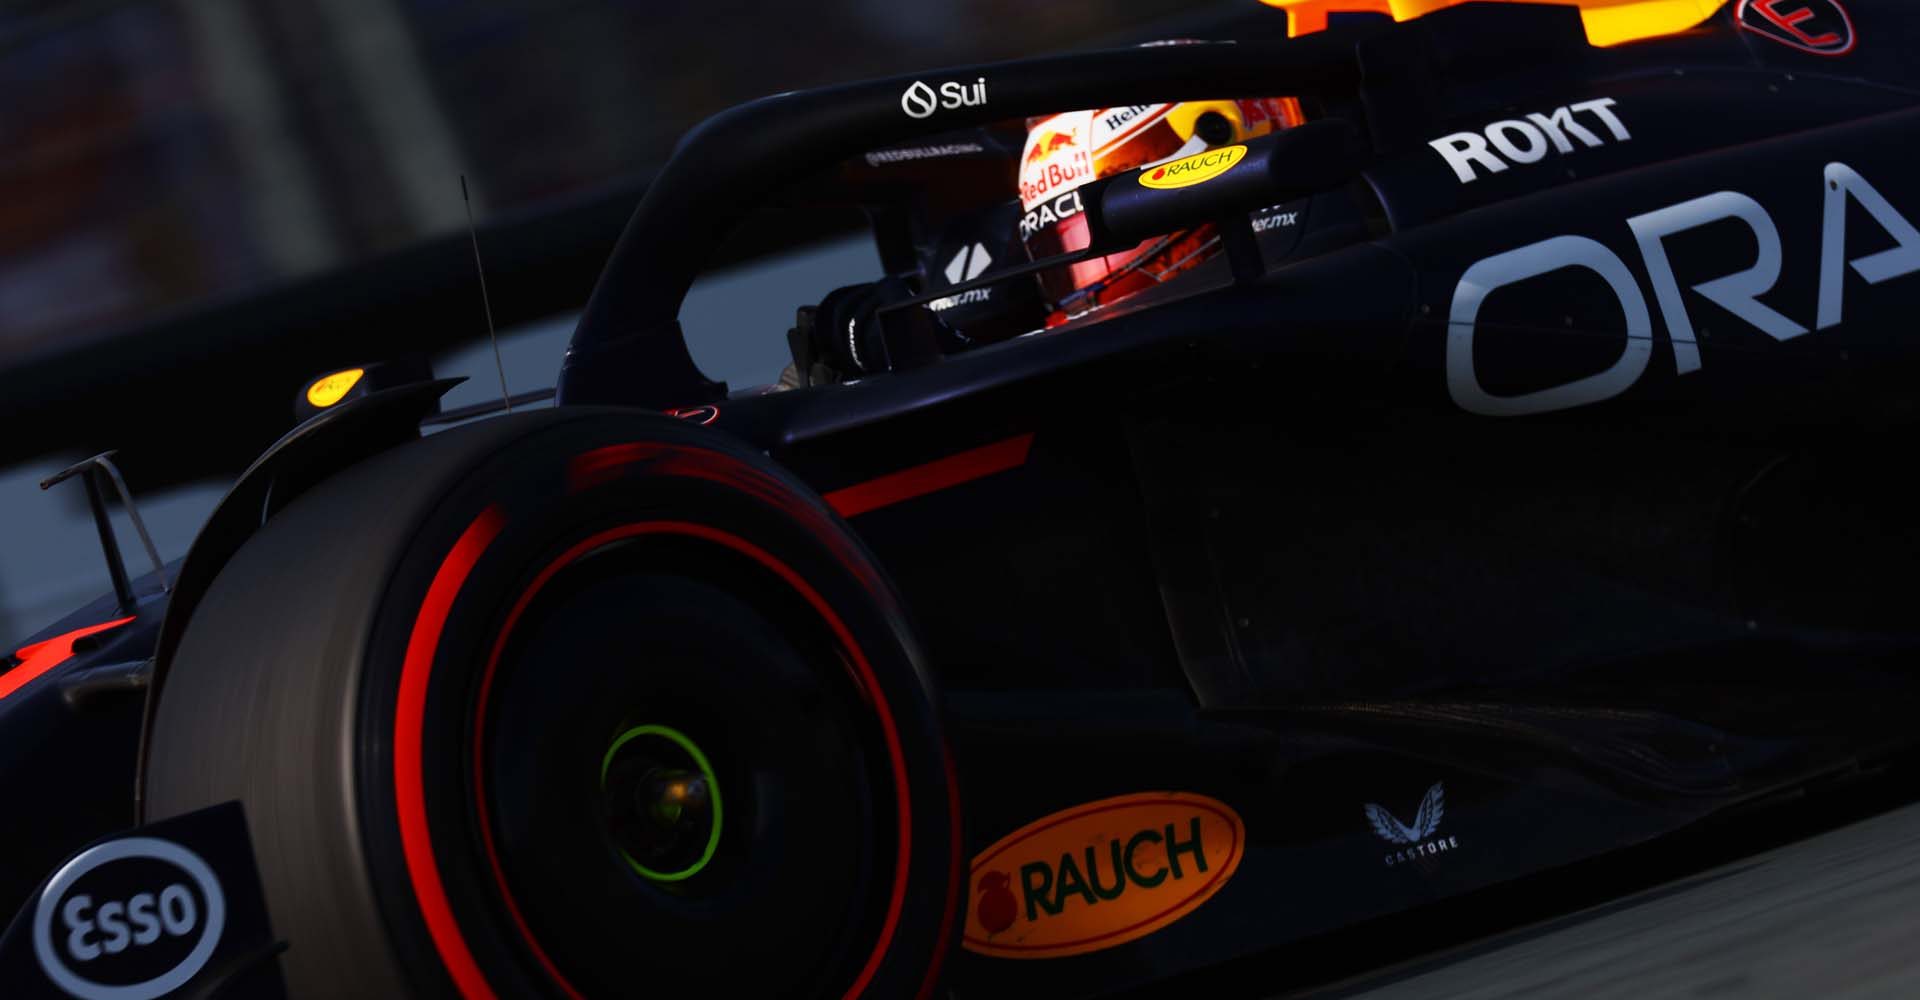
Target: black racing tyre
[{"x": 570, "y": 703}]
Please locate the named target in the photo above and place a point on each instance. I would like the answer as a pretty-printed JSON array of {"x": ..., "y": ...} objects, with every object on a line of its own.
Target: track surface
[{"x": 1836, "y": 915}]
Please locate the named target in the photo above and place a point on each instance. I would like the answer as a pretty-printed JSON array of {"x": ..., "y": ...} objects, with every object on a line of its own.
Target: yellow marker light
[
  {"x": 332, "y": 388},
  {"x": 1609, "y": 22}
]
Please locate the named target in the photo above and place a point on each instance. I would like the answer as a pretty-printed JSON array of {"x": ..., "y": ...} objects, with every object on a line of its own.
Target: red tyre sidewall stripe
[
  {"x": 410, "y": 711},
  {"x": 479, "y": 762},
  {"x": 954, "y": 864},
  {"x": 409, "y": 789}
]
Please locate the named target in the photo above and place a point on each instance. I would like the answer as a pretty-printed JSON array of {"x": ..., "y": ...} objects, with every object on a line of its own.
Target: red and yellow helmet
[{"x": 1065, "y": 151}]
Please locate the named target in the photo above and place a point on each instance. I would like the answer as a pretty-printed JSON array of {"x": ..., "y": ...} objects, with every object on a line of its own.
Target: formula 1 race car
[{"x": 1468, "y": 443}]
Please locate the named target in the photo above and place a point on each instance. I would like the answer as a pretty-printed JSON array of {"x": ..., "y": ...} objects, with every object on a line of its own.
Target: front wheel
[{"x": 570, "y": 704}]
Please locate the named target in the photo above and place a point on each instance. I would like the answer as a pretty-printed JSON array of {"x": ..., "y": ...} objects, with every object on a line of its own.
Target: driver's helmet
[{"x": 1068, "y": 150}]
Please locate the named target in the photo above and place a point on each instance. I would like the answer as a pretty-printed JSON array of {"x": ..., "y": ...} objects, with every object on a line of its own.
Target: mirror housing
[{"x": 1304, "y": 160}]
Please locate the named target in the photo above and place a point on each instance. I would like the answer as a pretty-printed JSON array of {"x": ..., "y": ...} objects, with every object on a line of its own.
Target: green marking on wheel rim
[{"x": 680, "y": 740}]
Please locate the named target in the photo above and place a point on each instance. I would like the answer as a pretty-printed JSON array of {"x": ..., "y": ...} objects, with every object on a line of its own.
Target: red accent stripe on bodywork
[
  {"x": 920, "y": 480},
  {"x": 38, "y": 658}
]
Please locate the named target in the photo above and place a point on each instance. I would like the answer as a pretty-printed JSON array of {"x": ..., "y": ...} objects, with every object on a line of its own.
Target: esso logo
[{"x": 129, "y": 919}]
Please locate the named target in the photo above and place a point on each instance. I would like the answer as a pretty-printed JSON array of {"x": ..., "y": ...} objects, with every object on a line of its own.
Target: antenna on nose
[{"x": 474, "y": 235}]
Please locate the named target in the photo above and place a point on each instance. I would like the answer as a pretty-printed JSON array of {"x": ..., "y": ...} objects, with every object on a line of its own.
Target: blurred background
[{"x": 204, "y": 202}]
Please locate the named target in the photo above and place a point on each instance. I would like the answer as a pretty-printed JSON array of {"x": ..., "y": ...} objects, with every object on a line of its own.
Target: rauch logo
[
  {"x": 1195, "y": 169},
  {"x": 1101, "y": 874}
]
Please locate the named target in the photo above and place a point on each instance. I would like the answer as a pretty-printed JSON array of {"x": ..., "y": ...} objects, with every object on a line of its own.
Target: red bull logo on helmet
[
  {"x": 1056, "y": 159},
  {"x": 1048, "y": 144}
]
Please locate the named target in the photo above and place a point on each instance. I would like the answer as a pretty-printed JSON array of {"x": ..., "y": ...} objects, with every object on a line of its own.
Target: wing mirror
[{"x": 1223, "y": 183}]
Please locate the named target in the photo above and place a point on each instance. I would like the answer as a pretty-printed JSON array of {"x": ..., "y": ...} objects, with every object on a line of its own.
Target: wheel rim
[
  {"x": 657, "y": 810},
  {"x": 717, "y": 881}
]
